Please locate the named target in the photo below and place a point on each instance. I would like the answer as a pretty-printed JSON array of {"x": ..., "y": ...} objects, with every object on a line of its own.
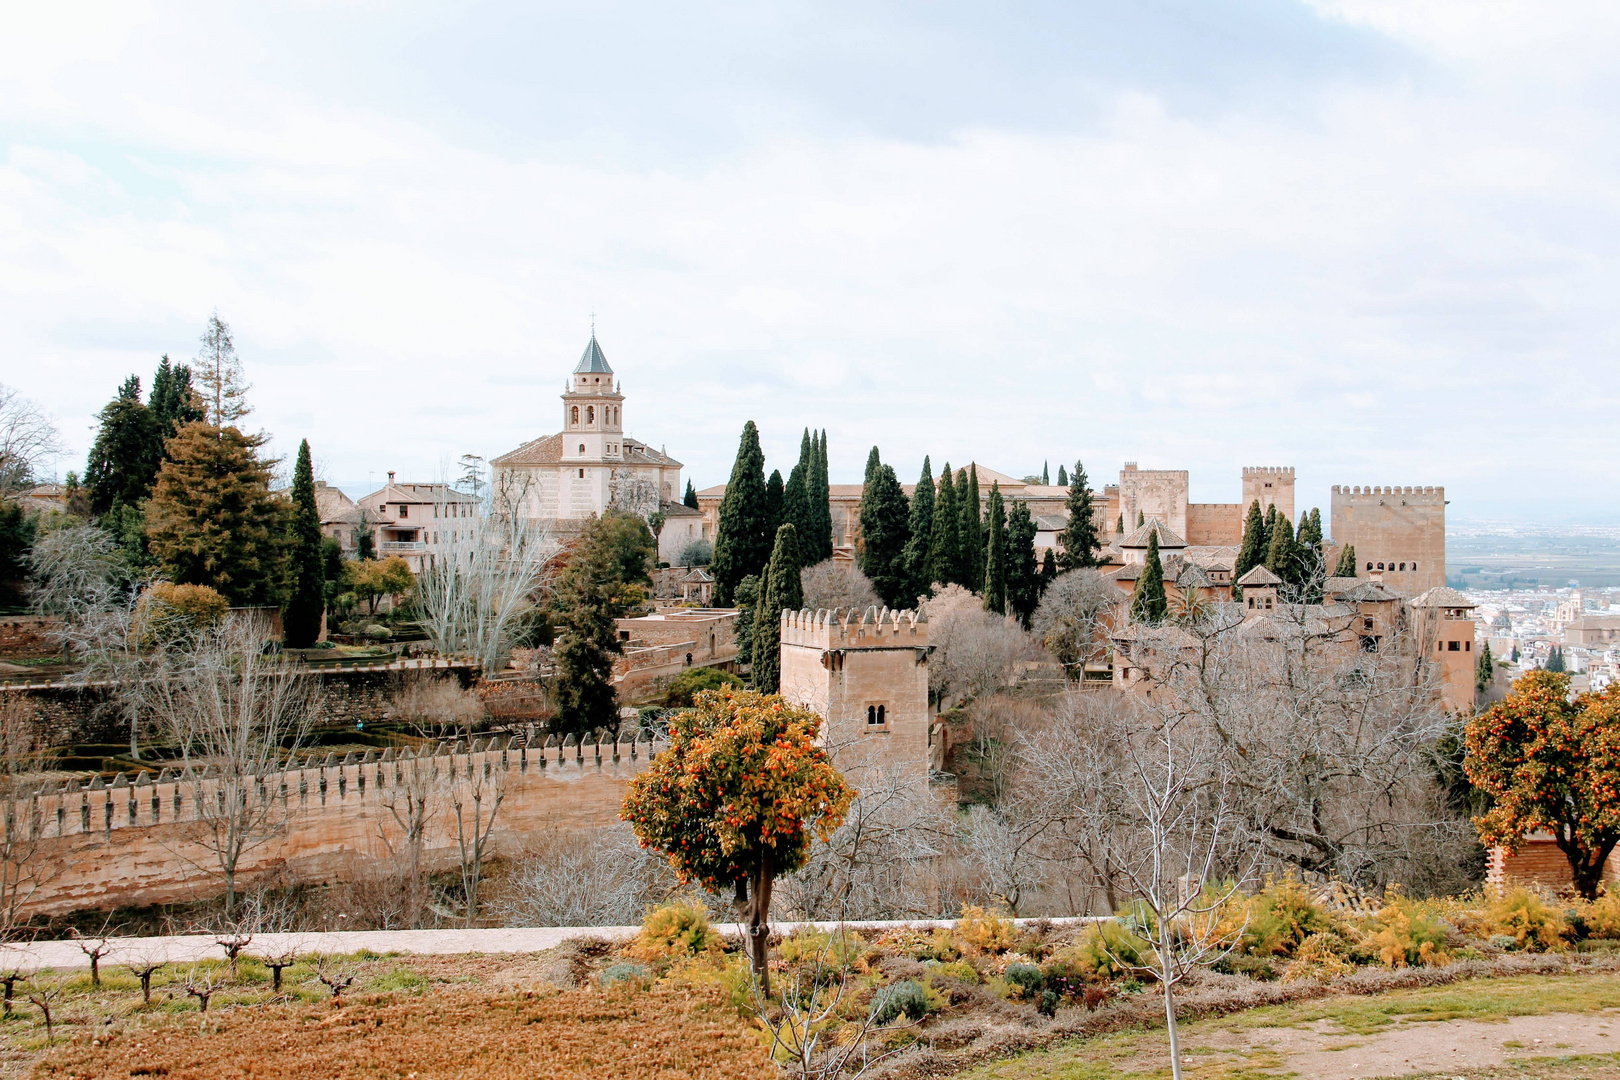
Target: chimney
[{"x": 390, "y": 476}]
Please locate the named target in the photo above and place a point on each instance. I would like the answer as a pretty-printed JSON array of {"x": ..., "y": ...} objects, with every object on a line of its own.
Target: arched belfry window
[
  {"x": 575, "y": 418},
  {"x": 590, "y": 414},
  {"x": 581, "y": 448}
]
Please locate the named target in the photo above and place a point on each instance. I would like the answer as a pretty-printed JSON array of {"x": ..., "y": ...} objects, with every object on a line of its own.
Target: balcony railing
[{"x": 400, "y": 547}]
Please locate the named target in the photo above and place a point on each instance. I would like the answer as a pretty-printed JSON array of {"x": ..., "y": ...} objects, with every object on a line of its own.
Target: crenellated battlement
[
  {"x": 842, "y": 628},
  {"x": 1434, "y": 492},
  {"x": 1257, "y": 471}
]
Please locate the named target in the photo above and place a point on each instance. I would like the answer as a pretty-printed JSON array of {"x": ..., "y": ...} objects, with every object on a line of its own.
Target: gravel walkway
[{"x": 65, "y": 955}]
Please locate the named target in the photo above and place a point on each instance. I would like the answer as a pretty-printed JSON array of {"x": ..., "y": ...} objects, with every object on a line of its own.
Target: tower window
[
  {"x": 1403, "y": 566},
  {"x": 590, "y": 414},
  {"x": 582, "y": 448},
  {"x": 875, "y": 717},
  {"x": 582, "y": 474},
  {"x": 575, "y": 418}
]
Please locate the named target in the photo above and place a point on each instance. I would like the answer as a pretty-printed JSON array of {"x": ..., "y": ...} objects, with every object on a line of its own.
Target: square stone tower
[
  {"x": 1399, "y": 534},
  {"x": 1272, "y": 485},
  {"x": 1148, "y": 493},
  {"x": 866, "y": 674}
]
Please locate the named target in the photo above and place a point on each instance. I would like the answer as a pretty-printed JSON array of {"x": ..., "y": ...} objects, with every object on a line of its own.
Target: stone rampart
[
  {"x": 1215, "y": 524},
  {"x": 141, "y": 839},
  {"x": 1398, "y": 532}
]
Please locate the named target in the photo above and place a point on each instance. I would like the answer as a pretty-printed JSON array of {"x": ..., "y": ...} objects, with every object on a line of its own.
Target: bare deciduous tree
[
  {"x": 143, "y": 960},
  {"x": 975, "y": 651},
  {"x": 78, "y": 572},
  {"x": 597, "y": 878},
  {"x": 25, "y": 861},
  {"x": 412, "y": 799},
  {"x": 1071, "y": 617},
  {"x": 477, "y": 789},
  {"x": 486, "y": 574},
  {"x": 28, "y": 437},
  {"x": 832, "y": 584},
  {"x": 633, "y": 492},
  {"x": 236, "y": 715}
]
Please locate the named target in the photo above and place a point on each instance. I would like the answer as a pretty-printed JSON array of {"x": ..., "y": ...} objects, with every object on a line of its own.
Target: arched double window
[{"x": 874, "y": 716}]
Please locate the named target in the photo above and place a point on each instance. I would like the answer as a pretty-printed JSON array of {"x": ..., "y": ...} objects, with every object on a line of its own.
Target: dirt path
[{"x": 1426, "y": 1047}]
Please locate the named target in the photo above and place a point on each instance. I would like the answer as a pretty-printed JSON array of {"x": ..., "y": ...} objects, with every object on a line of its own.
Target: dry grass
[{"x": 658, "y": 1033}]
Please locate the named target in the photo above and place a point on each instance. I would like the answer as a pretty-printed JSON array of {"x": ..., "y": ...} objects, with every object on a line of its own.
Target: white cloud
[{"x": 1359, "y": 287}]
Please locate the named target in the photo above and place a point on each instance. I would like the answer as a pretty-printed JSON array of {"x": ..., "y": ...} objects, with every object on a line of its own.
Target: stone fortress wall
[
  {"x": 1397, "y": 531},
  {"x": 138, "y": 840}
]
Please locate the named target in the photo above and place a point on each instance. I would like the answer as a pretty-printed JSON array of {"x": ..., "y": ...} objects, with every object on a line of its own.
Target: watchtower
[
  {"x": 866, "y": 674},
  {"x": 1399, "y": 534},
  {"x": 1270, "y": 485}
]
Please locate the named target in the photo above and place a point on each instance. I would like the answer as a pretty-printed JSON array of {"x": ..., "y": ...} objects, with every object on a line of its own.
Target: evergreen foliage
[
  {"x": 741, "y": 544},
  {"x": 995, "y": 571},
  {"x": 796, "y": 492},
  {"x": 219, "y": 373},
  {"x": 784, "y": 591},
  {"x": 212, "y": 520},
  {"x": 1046, "y": 476},
  {"x": 921, "y": 529},
  {"x": 885, "y": 533},
  {"x": 1023, "y": 574},
  {"x": 746, "y": 600},
  {"x": 1282, "y": 558},
  {"x": 1141, "y": 518},
  {"x": 1119, "y": 526},
  {"x": 331, "y": 570},
  {"x": 774, "y": 502},
  {"x": 1063, "y": 476},
  {"x": 690, "y": 499},
  {"x": 873, "y": 463},
  {"x": 125, "y": 456},
  {"x": 306, "y": 593},
  {"x": 818, "y": 544},
  {"x": 17, "y": 532},
  {"x": 1271, "y": 525},
  {"x": 1079, "y": 541},
  {"x": 972, "y": 533},
  {"x": 1049, "y": 568},
  {"x": 1148, "y": 601},
  {"x": 1555, "y": 660},
  {"x": 1347, "y": 562},
  {"x": 173, "y": 401},
  {"x": 1484, "y": 669},
  {"x": 590, "y": 596},
  {"x": 944, "y": 539}
]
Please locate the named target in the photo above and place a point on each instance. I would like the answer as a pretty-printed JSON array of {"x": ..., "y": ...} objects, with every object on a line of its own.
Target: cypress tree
[
  {"x": 1119, "y": 526},
  {"x": 967, "y": 501},
  {"x": 1046, "y": 477},
  {"x": 1079, "y": 541},
  {"x": 1023, "y": 574},
  {"x": 1281, "y": 557},
  {"x": 1049, "y": 569},
  {"x": 885, "y": 531},
  {"x": 1555, "y": 659},
  {"x": 746, "y": 600},
  {"x": 783, "y": 592},
  {"x": 1252, "y": 553},
  {"x": 821, "y": 502},
  {"x": 1148, "y": 602},
  {"x": 690, "y": 498},
  {"x": 1141, "y": 518},
  {"x": 741, "y": 545},
  {"x": 588, "y": 597},
  {"x": 995, "y": 562},
  {"x": 1484, "y": 670},
  {"x": 873, "y": 464},
  {"x": 921, "y": 530},
  {"x": 944, "y": 539},
  {"x": 306, "y": 597},
  {"x": 1271, "y": 526},
  {"x": 1063, "y": 476},
  {"x": 1347, "y": 562},
  {"x": 773, "y": 502}
]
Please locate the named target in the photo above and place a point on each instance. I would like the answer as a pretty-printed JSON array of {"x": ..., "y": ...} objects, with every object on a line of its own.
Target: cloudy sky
[{"x": 1374, "y": 239}]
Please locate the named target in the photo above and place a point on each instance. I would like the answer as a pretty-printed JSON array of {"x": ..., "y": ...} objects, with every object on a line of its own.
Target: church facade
[{"x": 591, "y": 465}]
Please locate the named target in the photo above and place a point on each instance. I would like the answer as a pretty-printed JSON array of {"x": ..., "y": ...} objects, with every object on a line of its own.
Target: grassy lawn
[{"x": 1223, "y": 1048}]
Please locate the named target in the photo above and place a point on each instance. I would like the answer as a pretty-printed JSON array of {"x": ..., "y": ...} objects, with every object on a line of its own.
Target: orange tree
[
  {"x": 1549, "y": 763},
  {"x": 737, "y": 799}
]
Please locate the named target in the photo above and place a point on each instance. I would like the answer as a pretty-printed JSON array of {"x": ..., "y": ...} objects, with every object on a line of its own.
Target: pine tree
[
  {"x": 774, "y": 502},
  {"x": 588, "y": 598},
  {"x": 174, "y": 401},
  {"x": 1079, "y": 541},
  {"x": 972, "y": 532},
  {"x": 885, "y": 531},
  {"x": 1023, "y": 573},
  {"x": 306, "y": 595},
  {"x": 1347, "y": 562},
  {"x": 1046, "y": 477},
  {"x": 1252, "y": 553},
  {"x": 1484, "y": 670},
  {"x": 690, "y": 498},
  {"x": 212, "y": 520},
  {"x": 219, "y": 370},
  {"x": 783, "y": 592},
  {"x": 125, "y": 457},
  {"x": 1063, "y": 476},
  {"x": 1148, "y": 602},
  {"x": 741, "y": 545},
  {"x": 1281, "y": 557},
  {"x": 921, "y": 531},
  {"x": 944, "y": 539},
  {"x": 995, "y": 569}
]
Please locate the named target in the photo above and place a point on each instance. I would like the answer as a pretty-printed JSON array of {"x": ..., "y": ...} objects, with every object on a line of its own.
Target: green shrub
[
  {"x": 624, "y": 971},
  {"x": 675, "y": 930},
  {"x": 1026, "y": 977},
  {"x": 908, "y": 997},
  {"x": 1106, "y": 950},
  {"x": 688, "y": 683},
  {"x": 1281, "y": 917},
  {"x": 1532, "y": 923},
  {"x": 955, "y": 969},
  {"x": 1047, "y": 1003},
  {"x": 807, "y": 945}
]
